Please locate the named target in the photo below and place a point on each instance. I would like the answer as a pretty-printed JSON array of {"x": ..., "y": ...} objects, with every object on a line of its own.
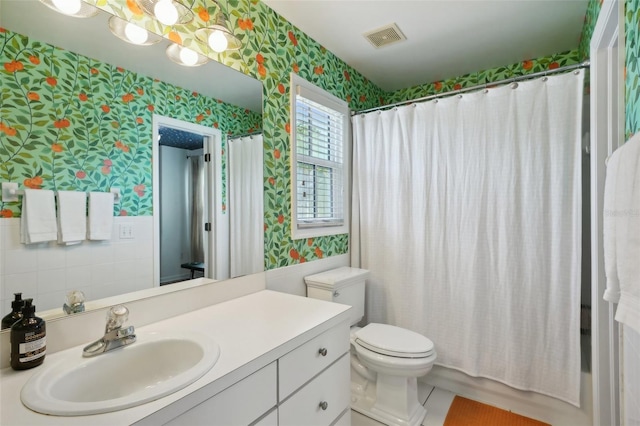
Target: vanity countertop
[{"x": 252, "y": 331}]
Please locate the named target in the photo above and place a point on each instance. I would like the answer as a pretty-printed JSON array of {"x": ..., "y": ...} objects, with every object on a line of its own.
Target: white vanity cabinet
[{"x": 308, "y": 385}]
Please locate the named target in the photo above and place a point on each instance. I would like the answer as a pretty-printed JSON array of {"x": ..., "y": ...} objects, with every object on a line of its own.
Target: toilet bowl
[{"x": 386, "y": 360}]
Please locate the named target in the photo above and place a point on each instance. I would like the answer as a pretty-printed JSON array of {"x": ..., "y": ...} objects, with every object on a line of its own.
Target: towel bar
[{"x": 10, "y": 192}]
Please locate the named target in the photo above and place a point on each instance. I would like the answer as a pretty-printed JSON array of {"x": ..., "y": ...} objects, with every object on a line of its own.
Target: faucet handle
[{"x": 116, "y": 316}]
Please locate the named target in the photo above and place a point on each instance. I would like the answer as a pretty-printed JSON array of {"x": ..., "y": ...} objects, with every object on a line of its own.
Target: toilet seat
[{"x": 394, "y": 341}]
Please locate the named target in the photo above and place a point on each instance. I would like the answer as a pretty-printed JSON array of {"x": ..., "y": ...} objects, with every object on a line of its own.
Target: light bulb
[
  {"x": 166, "y": 12},
  {"x": 68, "y": 7},
  {"x": 188, "y": 56},
  {"x": 218, "y": 41},
  {"x": 135, "y": 34}
]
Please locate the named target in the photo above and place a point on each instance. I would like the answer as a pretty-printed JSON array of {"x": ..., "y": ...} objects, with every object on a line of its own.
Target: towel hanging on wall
[
  {"x": 100, "y": 221},
  {"x": 72, "y": 209},
  {"x": 621, "y": 232},
  {"x": 38, "y": 223}
]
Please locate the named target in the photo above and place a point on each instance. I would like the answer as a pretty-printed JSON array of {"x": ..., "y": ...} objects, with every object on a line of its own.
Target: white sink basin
[{"x": 157, "y": 365}]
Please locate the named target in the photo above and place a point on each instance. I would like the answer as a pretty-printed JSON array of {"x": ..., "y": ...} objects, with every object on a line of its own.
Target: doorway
[{"x": 187, "y": 200}]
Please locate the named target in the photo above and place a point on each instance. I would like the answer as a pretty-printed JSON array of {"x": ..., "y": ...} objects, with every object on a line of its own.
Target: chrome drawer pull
[
  {"x": 324, "y": 405},
  {"x": 323, "y": 351}
]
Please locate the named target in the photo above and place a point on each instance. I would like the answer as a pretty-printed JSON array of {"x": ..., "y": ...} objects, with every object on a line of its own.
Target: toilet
[{"x": 386, "y": 360}]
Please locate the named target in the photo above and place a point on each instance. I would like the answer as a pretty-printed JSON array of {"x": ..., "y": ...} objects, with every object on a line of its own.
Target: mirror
[{"x": 91, "y": 38}]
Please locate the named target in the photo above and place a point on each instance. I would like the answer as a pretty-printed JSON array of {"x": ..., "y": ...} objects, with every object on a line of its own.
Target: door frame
[
  {"x": 607, "y": 133},
  {"x": 216, "y": 257}
]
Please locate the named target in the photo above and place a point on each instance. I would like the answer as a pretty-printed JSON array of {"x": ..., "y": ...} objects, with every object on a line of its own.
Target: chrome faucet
[{"x": 115, "y": 336}]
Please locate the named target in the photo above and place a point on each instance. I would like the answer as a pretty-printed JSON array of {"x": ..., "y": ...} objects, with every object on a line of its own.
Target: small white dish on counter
[{"x": 157, "y": 365}]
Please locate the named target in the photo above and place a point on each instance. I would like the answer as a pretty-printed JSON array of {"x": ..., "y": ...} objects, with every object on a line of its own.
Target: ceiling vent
[{"x": 384, "y": 36}]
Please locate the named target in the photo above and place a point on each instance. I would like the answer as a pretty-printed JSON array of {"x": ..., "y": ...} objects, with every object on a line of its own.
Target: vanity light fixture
[
  {"x": 132, "y": 33},
  {"x": 168, "y": 12},
  {"x": 185, "y": 56},
  {"x": 218, "y": 36},
  {"x": 75, "y": 8}
]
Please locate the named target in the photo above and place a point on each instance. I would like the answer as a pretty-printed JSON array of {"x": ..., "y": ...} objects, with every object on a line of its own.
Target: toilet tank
[{"x": 342, "y": 285}]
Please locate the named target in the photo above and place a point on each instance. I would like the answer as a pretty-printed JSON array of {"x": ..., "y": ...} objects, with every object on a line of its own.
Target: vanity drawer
[
  {"x": 239, "y": 404},
  {"x": 301, "y": 364},
  {"x": 330, "y": 390}
]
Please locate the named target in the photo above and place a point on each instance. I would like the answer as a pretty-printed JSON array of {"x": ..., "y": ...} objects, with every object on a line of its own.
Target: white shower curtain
[
  {"x": 467, "y": 211},
  {"x": 246, "y": 205}
]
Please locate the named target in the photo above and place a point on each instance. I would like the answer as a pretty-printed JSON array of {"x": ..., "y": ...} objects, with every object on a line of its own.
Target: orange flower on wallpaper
[
  {"x": 33, "y": 183},
  {"x": 245, "y": 24},
  {"x": 83, "y": 97},
  {"x": 295, "y": 68},
  {"x": 527, "y": 65},
  {"x": 52, "y": 81},
  {"x": 123, "y": 212},
  {"x": 348, "y": 99},
  {"x": 94, "y": 71},
  {"x": 553, "y": 65},
  {"x": 139, "y": 189},
  {"x": 216, "y": 124},
  {"x": 134, "y": 8},
  {"x": 140, "y": 91},
  {"x": 199, "y": 118},
  {"x": 437, "y": 85},
  {"x": 8, "y": 130},
  {"x": 151, "y": 107},
  {"x": 106, "y": 168},
  {"x": 127, "y": 98},
  {"x": 119, "y": 145},
  {"x": 318, "y": 70},
  {"x": 33, "y": 96},
  {"x": 13, "y": 66},
  {"x": 203, "y": 13},
  {"x": 287, "y": 127},
  {"x": 139, "y": 120},
  {"x": 347, "y": 76},
  {"x": 309, "y": 242},
  {"x": 62, "y": 123},
  {"x": 6, "y": 213},
  {"x": 105, "y": 108},
  {"x": 34, "y": 60},
  {"x": 207, "y": 111},
  {"x": 281, "y": 88},
  {"x": 280, "y": 219},
  {"x": 81, "y": 174},
  {"x": 262, "y": 70},
  {"x": 272, "y": 181},
  {"x": 293, "y": 38},
  {"x": 276, "y": 153},
  {"x": 294, "y": 254},
  {"x": 260, "y": 58},
  {"x": 318, "y": 252},
  {"x": 56, "y": 147},
  {"x": 175, "y": 37},
  {"x": 363, "y": 98}
]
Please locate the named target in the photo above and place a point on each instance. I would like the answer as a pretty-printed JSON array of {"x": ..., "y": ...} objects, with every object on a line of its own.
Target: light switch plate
[{"x": 126, "y": 231}]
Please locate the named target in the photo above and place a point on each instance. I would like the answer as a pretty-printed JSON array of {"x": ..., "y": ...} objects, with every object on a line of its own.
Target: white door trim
[
  {"x": 607, "y": 133},
  {"x": 216, "y": 258}
]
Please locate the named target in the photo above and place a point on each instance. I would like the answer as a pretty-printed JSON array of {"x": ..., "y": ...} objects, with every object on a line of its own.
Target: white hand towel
[
  {"x": 612, "y": 291},
  {"x": 38, "y": 223},
  {"x": 72, "y": 213},
  {"x": 100, "y": 215},
  {"x": 625, "y": 223}
]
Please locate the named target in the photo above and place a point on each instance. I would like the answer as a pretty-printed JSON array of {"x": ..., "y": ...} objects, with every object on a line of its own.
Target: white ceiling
[
  {"x": 91, "y": 37},
  {"x": 445, "y": 38}
]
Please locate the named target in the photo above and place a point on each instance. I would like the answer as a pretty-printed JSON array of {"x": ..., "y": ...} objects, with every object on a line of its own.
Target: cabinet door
[
  {"x": 239, "y": 404},
  {"x": 322, "y": 400},
  {"x": 301, "y": 364}
]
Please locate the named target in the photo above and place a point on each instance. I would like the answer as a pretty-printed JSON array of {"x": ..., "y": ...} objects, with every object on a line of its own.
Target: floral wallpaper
[
  {"x": 632, "y": 69},
  {"x": 72, "y": 123},
  {"x": 590, "y": 18},
  {"x": 486, "y": 76},
  {"x": 272, "y": 48}
]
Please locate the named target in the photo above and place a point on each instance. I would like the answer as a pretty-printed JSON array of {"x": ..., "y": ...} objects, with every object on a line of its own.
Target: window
[{"x": 319, "y": 160}]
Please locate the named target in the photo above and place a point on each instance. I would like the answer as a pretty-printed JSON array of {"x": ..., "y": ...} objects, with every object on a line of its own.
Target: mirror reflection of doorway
[{"x": 187, "y": 190}]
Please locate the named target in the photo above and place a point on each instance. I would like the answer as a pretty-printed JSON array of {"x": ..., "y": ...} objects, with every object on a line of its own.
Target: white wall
[
  {"x": 47, "y": 271},
  {"x": 174, "y": 220}
]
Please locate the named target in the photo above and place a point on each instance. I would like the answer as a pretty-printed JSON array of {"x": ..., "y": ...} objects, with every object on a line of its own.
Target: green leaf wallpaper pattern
[
  {"x": 590, "y": 18},
  {"x": 632, "y": 68},
  {"x": 69, "y": 122},
  {"x": 272, "y": 49}
]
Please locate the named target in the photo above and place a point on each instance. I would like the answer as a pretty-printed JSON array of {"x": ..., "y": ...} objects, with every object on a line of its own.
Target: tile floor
[{"x": 436, "y": 401}]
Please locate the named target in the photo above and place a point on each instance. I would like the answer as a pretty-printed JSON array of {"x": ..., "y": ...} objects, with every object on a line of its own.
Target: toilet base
[{"x": 391, "y": 408}]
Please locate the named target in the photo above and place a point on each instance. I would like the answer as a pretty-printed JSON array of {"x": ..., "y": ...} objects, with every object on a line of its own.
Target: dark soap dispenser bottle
[
  {"x": 16, "y": 312},
  {"x": 28, "y": 339}
]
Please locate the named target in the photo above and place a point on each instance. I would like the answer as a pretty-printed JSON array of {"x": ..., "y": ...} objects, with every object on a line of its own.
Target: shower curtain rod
[
  {"x": 584, "y": 64},
  {"x": 242, "y": 135}
]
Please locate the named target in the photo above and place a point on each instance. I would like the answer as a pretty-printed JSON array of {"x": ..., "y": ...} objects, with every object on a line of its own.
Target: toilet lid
[{"x": 394, "y": 341}]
